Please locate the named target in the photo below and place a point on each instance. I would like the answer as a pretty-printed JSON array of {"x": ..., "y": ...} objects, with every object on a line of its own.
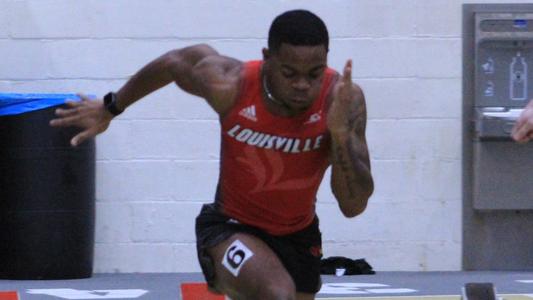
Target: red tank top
[{"x": 272, "y": 166}]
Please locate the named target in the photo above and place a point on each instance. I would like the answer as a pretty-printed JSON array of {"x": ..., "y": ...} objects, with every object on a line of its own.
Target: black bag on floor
[{"x": 328, "y": 266}]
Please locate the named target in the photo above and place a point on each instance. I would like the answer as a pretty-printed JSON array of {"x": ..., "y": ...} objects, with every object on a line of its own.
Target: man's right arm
[{"x": 198, "y": 70}]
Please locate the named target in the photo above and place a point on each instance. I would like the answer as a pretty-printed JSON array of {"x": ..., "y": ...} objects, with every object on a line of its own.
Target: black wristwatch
[{"x": 110, "y": 103}]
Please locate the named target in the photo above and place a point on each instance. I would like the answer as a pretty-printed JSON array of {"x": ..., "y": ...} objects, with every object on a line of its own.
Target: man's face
[{"x": 296, "y": 74}]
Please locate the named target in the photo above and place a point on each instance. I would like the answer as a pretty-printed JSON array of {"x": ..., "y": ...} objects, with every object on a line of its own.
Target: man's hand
[
  {"x": 523, "y": 130},
  {"x": 90, "y": 115},
  {"x": 343, "y": 113}
]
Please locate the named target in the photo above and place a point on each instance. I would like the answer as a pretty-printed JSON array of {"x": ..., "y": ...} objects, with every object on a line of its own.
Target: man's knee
[
  {"x": 277, "y": 291},
  {"x": 276, "y": 288},
  {"x": 263, "y": 291}
]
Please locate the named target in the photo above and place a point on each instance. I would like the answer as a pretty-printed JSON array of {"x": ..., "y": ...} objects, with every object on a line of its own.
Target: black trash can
[{"x": 47, "y": 193}]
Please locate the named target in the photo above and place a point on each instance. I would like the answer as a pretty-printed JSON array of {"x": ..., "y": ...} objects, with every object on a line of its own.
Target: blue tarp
[{"x": 14, "y": 104}]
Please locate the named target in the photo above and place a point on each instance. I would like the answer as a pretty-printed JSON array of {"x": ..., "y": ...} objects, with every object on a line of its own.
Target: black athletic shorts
[{"x": 299, "y": 252}]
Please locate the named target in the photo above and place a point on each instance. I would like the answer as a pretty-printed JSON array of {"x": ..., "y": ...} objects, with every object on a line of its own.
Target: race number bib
[{"x": 235, "y": 257}]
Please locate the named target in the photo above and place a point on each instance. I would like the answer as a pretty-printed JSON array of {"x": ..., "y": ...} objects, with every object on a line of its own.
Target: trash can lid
[{"x": 14, "y": 104}]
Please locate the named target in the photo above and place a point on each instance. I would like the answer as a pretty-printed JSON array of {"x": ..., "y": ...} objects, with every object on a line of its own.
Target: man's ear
[{"x": 266, "y": 54}]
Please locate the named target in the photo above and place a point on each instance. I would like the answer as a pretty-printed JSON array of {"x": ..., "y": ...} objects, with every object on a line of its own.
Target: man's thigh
[{"x": 246, "y": 268}]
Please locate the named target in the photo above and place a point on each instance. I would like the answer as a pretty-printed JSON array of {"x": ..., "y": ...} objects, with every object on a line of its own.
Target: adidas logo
[
  {"x": 313, "y": 118},
  {"x": 249, "y": 113}
]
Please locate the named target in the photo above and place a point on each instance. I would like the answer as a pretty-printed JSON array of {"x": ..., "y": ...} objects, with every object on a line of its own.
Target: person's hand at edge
[{"x": 89, "y": 115}]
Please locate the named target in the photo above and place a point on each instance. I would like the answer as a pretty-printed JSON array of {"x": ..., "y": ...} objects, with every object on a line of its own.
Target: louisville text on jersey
[{"x": 268, "y": 141}]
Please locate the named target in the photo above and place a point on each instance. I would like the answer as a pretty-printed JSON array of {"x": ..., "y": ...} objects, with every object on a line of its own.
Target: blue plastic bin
[{"x": 47, "y": 192}]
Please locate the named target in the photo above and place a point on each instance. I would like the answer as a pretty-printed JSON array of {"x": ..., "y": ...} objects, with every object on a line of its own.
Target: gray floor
[{"x": 167, "y": 286}]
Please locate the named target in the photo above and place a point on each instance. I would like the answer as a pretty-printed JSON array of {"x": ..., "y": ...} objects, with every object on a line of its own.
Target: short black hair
[{"x": 299, "y": 28}]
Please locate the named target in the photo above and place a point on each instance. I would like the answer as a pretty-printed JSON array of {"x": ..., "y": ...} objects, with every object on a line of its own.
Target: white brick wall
[
  {"x": 159, "y": 161},
  {"x": 4, "y": 29}
]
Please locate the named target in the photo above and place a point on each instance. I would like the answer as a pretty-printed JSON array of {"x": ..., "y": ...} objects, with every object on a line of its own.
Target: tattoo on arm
[
  {"x": 344, "y": 166},
  {"x": 351, "y": 155}
]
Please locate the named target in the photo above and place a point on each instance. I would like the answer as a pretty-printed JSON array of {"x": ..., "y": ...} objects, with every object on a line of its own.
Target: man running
[{"x": 283, "y": 121}]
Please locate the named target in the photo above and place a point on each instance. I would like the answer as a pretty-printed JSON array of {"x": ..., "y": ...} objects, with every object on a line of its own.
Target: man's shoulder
[{"x": 221, "y": 62}]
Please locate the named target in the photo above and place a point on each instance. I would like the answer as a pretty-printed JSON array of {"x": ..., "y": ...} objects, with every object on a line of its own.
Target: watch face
[
  {"x": 108, "y": 99},
  {"x": 110, "y": 104}
]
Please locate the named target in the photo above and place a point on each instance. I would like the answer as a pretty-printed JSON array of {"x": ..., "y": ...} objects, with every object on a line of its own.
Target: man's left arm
[
  {"x": 351, "y": 180},
  {"x": 523, "y": 130}
]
